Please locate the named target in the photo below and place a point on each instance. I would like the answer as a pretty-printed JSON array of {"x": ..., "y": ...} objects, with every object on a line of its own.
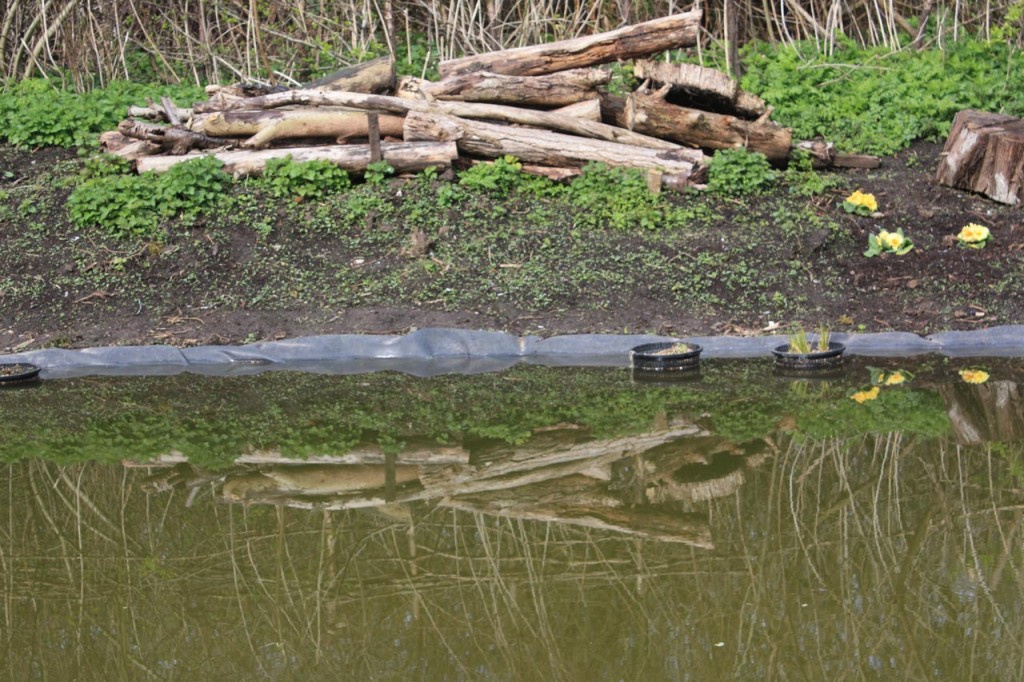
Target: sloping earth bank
[{"x": 399, "y": 257}]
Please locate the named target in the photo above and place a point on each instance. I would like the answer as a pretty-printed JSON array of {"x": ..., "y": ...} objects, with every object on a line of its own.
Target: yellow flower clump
[
  {"x": 891, "y": 240},
  {"x": 973, "y": 233},
  {"x": 859, "y": 198},
  {"x": 895, "y": 379},
  {"x": 974, "y": 376},
  {"x": 864, "y": 396}
]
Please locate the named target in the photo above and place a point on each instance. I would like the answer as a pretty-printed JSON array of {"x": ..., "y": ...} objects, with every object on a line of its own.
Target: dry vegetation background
[{"x": 223, "y": 40}]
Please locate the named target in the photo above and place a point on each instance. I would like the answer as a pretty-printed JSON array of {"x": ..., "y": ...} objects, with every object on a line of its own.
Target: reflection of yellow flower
[
  {"x": 859, "y": 198},
  {"x": 864, "y": 396},
  {"x": 973, "y": 233},
  {"x": 895, "y": 379},
  {"x": 974, "y": 376}
]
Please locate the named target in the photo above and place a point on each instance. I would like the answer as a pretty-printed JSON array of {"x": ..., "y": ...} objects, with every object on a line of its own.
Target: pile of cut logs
[{"x": 547, "y": 105}]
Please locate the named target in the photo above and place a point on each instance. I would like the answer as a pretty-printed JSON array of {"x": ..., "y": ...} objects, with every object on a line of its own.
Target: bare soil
[{"x": 266, "y": 272}]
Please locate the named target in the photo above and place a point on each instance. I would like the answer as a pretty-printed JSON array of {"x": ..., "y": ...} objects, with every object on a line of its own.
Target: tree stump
[{"x": 985, "y": 153}]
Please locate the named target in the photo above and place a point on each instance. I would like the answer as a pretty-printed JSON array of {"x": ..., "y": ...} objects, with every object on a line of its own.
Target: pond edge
[{"x": 427, "y": 352}]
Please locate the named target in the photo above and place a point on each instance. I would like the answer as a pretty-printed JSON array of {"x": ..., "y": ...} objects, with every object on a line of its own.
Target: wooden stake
[{"x": 373, "y": 128}]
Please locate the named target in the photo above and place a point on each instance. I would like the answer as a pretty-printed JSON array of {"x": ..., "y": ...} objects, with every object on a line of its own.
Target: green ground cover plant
[
  {"x": 37, "y": 112},
  {"x": 738, "y": 171},
  {"x": 304, "y": 181},
  {"x": 876, "y": 100},
  {"x": 133, "y": 205}
]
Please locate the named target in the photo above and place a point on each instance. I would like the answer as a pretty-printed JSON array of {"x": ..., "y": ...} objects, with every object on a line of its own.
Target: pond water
[{"x": 535, "y": 524}]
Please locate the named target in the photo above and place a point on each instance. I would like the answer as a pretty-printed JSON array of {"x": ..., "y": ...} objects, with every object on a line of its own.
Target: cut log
[
  {"x": 985, "y": 153},
  {"x": 824, "y": 155},
  {"x": 498, "y": 112},
  {"x": 650, "y": 114},
  {"x": 553, "y": 174},
  {"x": 173, "y": 139},
  {"x": 160, "y": 112},
  {"x": 403, "y": 157},
  {"x": 113, "y": 142},
  {"x": 551, "y": 90},
  {"x": 587, "y": 110},
  {"x": 375, "y": 76},
  {"x": 269, "y": 126},
  {"x": 701, "y": 88},
  {"x": 638, "y": 40},
  {"x": 543, "y": 147}
]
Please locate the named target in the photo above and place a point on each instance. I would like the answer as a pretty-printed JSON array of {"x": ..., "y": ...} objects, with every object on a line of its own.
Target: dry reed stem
[{"x": 200, "y": 41}]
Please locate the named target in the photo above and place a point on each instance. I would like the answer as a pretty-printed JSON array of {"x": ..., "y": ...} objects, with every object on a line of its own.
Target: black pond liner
[
  {"x": 645, "y": 358},
  {"x": 818, "y": 362},
  {"x": 18, "y": 374}
]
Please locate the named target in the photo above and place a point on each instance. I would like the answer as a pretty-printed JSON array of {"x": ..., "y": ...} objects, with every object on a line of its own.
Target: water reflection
[
  {"x": 636, "y": 485},
  {"x": 670, "y": 552},
  {"x": 991, "y": 411}
]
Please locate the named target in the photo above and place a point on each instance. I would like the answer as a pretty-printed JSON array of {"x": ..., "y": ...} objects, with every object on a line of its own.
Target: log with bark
[
  {"x": 561, "y": 119},
  {"x": 475, "y": 110},
  {"x": 700, "y": 87},
  {"x": 175, "y": 140},
  {"x": 824, "y": 155},
  {"x": 129, "y": 148},
  {"x": 587, "y": 110},
  {"x": 550, "y": 90},
  {"x": 165, "y": 111},
  {"x": 638, "y": 40},
  {"x": 984, "y": 153},
  {"x": 403, "y": 157},
  {"x": 647, "y": 112},
  {"x": 375, "y": 76},
  {"x": 267, "y": 127},
  {"x": 547, "y": 148}
]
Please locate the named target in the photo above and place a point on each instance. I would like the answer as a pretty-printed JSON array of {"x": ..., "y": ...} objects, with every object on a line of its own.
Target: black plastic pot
[
  {"x": 818, "y": 361},
  {"x": 17, "y": 374},
  {"x": 646, "y": 358}
]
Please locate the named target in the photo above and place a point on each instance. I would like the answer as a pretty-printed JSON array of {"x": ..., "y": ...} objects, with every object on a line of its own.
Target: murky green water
[{"x": 531, "y": 525}]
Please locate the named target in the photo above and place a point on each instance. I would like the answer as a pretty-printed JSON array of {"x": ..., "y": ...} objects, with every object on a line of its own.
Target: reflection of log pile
[
  {"x": 643, "y": 484},
  {"x": 547, "y": 105},
  {"x": 993, "y": 411}
]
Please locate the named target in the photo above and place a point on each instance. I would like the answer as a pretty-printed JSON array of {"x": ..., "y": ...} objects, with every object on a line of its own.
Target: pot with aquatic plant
[
  {"x": 802, "y": 355},
  {"x": 666, "y": 356}
]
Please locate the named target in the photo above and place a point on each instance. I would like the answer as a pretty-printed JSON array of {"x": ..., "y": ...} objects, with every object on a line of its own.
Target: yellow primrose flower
[
  {"x": 973, "y": 233},
  {"x": 895, "y": 379},
  {"x": 974, "y": 376},
  {"x": 859, "y": 198},
  {"x": 888, "y": 242},
  {"x": 891, "y": 239},
  {"x": 864, "y": 396}
]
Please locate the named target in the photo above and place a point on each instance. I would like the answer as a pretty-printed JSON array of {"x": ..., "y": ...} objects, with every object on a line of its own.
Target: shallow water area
[{"x": 534, "y": 523}]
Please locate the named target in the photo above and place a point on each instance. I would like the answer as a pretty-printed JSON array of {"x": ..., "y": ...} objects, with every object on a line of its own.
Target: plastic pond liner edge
[{"x": 426, "y": 352}]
